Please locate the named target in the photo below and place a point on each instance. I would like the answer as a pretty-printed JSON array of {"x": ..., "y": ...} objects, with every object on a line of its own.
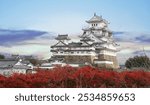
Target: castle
[{"x": 96, "y": 46}]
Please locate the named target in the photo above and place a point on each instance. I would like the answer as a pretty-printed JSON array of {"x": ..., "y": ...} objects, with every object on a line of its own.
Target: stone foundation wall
[
  {"x": 104, "y": 65},
  {"x": 89, "y": 59},
  {"x": 113, "y": 59},
  {"x": 78, "y": 59}
]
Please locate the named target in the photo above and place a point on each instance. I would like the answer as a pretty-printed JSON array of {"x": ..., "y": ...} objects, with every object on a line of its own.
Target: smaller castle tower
[{"x": 59, "y": 49}]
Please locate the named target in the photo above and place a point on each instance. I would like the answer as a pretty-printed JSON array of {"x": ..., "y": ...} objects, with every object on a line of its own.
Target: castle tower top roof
[{"x": 96, "y": 18}]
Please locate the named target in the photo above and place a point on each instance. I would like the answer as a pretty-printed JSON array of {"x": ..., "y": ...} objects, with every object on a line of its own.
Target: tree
[
  {"x": 138, "y": 61},
  {"x": 2, "y": 56},
  {"x": 34, "y": 61}
]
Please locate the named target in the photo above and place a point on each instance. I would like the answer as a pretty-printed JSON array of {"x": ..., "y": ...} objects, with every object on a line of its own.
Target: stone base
[
  {"x": 82, "y": 59},
  {"x": 110, "y": 66},
  {"x": 78, "y": 59},
  {"x": 113, "y": 59}
]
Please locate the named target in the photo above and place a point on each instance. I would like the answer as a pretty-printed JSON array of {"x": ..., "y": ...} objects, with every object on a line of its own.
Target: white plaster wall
[{"x": 103, "y": 62}]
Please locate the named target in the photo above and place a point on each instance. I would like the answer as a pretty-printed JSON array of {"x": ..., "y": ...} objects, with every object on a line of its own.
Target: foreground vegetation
[
  {"x": 138, "y": 62},
  {"x": 85, "y": 77}
]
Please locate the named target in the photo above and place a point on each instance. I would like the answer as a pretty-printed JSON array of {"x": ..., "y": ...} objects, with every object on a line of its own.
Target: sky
[
  {"x": 59, "y": 15},
  {"x": 28, "y": 24}
]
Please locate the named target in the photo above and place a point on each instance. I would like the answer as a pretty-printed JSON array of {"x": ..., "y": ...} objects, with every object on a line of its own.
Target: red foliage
[
  {"x": 84, "y": 77},
  {"x": 2, "y": 81},
  {"x": 137, "y": 79}
]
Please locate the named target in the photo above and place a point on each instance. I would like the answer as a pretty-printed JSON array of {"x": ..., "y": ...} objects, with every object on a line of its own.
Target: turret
[
  {"x": 62, "y": 38},
  {"x": 97, "y": 22}
]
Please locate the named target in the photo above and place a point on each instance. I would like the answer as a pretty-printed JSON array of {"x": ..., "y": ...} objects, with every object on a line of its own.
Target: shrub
[
  {"x": 84, "y": 77},
  {"x": 2, "y": 56},
  {"x": 138, "y": 62},
  {"x": 137, "y": 79},
  {"x": 2, "y": 81}
]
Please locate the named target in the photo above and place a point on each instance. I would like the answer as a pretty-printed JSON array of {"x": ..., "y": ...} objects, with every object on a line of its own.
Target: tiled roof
[
  {"x": 62, "y": 37},
  {"x": 60, "y": 44},
  {"x": 7, "y": 63},
  {"x": 96, "y": 18},
  {"x": 25, "y": 62},
  {"x": 59, "y": 58},
  {"x": 86, "y": 39},
  {"x": 74, "y": 44},
  {"x": 21, "y": 67}
]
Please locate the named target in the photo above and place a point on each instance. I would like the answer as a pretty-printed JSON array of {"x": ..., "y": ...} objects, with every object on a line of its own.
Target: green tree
[
  {"x": 138, "y": 61},
  {"x": 2, "y": 56}
]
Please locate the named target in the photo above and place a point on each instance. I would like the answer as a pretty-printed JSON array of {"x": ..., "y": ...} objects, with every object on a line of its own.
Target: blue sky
[
  {"x": 28, "y": 24},
  {"x": 58, "y": 15}
]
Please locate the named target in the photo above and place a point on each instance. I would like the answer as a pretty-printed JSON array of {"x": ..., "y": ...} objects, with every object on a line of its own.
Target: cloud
[
  {"x": 144, "y": 52},
  {"x": 124, "y": 36},
  {"x": 118, "y": 33},
  {"x": 143, "y": 38},
  {"x": 45, "y": 39},
  {"x": 10, "y": 37},
  {"x": 26, "y": 42},
  {"x": 132, "y": 37}
]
